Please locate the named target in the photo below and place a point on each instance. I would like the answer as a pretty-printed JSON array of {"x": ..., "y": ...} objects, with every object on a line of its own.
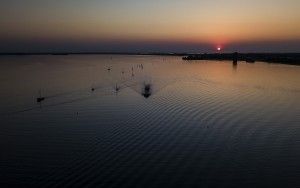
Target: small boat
[
  {"x": 147, "y": 91},
  {"x": 40, "y": 98},
  {"x": 117, "y": 88}
]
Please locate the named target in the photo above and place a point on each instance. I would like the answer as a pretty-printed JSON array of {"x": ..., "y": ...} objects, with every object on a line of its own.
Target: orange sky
[{"x": 195, "y": 21}]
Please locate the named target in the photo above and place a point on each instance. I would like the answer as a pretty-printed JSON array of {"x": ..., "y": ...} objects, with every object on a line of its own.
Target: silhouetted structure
[{"x": 235, "y": 58}]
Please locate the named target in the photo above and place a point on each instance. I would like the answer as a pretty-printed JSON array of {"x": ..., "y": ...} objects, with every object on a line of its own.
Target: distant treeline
[{"x": 283, "y": 58}]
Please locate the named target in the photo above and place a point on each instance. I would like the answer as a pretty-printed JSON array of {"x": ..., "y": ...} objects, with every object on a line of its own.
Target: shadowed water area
[{"x": 147, "y": 121}]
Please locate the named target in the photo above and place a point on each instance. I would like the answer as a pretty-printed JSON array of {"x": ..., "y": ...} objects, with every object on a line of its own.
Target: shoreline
[
  {"x": 93, "y": 53},
  {"x": 277, "y": 58}
]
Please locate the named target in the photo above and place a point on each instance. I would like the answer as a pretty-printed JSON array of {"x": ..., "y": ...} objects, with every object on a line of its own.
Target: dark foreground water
[{"x": 204, "y": 123}]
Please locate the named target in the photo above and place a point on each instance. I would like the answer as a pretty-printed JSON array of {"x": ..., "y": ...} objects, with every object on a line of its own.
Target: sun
[{"x": 219, "y": 48}]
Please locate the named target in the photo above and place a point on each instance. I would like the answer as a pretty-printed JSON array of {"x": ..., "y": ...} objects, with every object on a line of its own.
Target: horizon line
[{"x": 134, "y": 53}]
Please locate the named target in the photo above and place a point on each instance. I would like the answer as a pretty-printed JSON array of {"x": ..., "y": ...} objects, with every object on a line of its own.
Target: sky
[{"x": 149, "y": 26}]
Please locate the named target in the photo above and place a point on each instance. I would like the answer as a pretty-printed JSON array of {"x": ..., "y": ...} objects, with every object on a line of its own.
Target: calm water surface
[{"x": 205, "y": 123}]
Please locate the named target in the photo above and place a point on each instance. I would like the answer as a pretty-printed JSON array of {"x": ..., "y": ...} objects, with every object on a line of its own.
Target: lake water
[{"x": 201, "y": 124}]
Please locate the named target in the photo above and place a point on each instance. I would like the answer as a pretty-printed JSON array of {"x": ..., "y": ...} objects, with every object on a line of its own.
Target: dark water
[{"x": 204, "y": 123}]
